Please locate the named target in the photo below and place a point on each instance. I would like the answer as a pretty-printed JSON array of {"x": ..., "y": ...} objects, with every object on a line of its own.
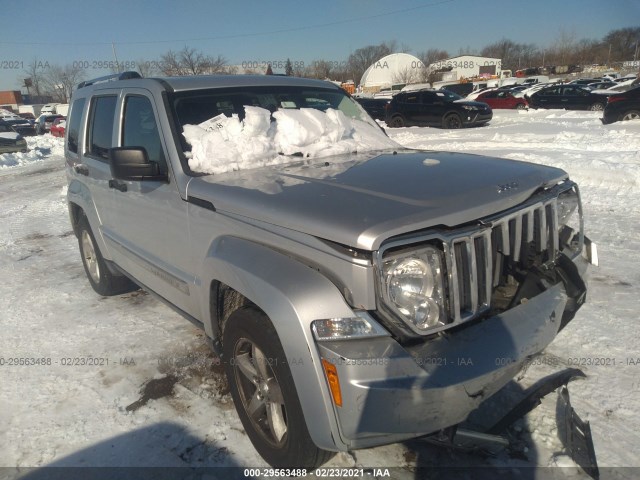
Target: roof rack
[{"x": 110, "y": 78}]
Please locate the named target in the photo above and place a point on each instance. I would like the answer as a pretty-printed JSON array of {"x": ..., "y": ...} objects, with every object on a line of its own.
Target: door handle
[
  {"x": 118, "y": 185},
  {"x": 81, "y": 169}
]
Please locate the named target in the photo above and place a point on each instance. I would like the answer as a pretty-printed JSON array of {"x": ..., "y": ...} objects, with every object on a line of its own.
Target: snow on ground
[
  {"x": 126, "y": 381},
  {"x": 40, "y": 148}
]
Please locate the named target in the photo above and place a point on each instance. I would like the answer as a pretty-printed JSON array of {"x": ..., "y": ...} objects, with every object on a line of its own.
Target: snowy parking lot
[{"x": 125, "y": 381}]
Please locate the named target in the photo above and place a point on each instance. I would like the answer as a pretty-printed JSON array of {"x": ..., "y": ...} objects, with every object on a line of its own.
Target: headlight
[
  {"x": 470, "y": 107},
  {"x": 570, "y": 221},
  {"x": 413, "y": 287}
]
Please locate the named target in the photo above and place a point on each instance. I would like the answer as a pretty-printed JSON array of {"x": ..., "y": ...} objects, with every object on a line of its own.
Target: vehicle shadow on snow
[{"x": 161, "y": 451}]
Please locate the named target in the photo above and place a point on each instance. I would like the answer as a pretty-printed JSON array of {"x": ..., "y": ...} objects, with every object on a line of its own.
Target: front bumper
[
  {"x": 473, "y": 118},
  {"x": 392, "y": 392}
]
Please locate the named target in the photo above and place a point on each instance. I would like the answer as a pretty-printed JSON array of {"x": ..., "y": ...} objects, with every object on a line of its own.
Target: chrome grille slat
[
  {"x": 473, "y": 274},
  {"x": 476, "y": 261},
  {"x": 518, "y": 238}
]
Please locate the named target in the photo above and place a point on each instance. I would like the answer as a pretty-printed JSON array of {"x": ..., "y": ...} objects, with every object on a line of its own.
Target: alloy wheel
[
  {"x": 89, "y": 257},
  {"x": 260, "y": 392}
]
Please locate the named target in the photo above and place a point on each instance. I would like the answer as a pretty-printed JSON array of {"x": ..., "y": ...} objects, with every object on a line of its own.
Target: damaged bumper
[{"x": 392, "y": 392}]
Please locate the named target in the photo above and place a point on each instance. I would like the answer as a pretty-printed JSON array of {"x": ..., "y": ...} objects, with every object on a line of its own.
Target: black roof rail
[{"x": 110, "y": 78}]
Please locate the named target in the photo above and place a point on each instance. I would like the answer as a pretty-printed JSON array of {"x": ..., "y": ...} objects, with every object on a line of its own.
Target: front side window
[
  {"x": 101, "y": 126},
  {"x": 139, "y": 129}
]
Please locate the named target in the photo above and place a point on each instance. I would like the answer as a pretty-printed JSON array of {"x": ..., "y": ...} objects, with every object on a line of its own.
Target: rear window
[
  {"x": 101, "y": 126},
  {"x": 74, "y": 125}
]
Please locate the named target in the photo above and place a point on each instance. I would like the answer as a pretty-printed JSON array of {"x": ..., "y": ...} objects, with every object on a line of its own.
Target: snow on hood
[
  {"x": 223, "y": 144},
  {"x": 9, "y": 135}
]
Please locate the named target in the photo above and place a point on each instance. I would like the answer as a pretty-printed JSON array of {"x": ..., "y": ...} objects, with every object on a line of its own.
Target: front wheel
[
  {"x": 397, "y": 122},
  {"x": 453, "y": 121},
  {"x": 521, "y": 106},
  {"x": 100, "y": 277},
  {"x": 631, "y": 115},
  {"x": 264, "y": 393},
  {"x": 597, "y": 107}
]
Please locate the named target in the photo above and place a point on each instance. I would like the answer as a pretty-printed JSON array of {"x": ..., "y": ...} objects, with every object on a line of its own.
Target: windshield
[
  {"x": 193, "y": 108},
  {"x": 449, "y": 96},
  {"x": 228, "y": 129}
]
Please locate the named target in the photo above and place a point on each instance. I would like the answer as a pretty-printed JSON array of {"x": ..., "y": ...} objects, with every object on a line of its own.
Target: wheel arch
[
  {"x": 292, "y": 295},
  {"x": 80, "y": 202}
]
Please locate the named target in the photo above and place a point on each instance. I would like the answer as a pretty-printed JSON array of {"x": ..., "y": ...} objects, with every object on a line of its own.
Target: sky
[{"x": 255, "y": 32}]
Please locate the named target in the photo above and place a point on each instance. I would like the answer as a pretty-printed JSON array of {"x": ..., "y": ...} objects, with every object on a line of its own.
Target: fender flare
[
  {"x": 78, "y": 194},
  {"x": 292, "y": 295}
]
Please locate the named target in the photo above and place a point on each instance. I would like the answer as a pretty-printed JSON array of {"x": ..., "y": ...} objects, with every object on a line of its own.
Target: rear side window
[
  {"x": 101, "y": 126},
  {"x": 74, "y": 125}
]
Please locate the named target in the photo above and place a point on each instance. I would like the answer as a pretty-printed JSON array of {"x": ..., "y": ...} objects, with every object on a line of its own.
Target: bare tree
[
  {"x": 513, "y": 55},
  {"x": 147, "y": 68},
  {"x": 60, "y": 81},
  {"x": 409, "y": 75},
  {"x": 35, "y": 72},
  {"x": 189, "y": 61},
  {"x": 364, "y": 57},
  {"x": 623, "y": 43}
]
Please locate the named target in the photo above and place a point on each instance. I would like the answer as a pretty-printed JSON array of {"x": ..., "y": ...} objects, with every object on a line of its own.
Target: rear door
[{"x": 410, "y": 107}]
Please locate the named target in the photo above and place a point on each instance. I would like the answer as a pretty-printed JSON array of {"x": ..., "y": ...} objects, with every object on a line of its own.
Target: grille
[{"x": 476, "y": 261}]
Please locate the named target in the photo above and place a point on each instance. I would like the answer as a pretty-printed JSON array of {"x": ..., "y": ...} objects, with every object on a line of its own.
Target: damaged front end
[
  {"x": 488, "y": 434},
  {"x": 465, "y": 310}
]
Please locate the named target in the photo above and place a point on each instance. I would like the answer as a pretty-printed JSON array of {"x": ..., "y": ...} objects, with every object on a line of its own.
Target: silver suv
[{"x": 357, "y": 299}]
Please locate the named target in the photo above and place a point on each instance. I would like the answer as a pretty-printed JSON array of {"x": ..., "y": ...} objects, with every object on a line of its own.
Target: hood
[
  {"x": 10, "y": 135},
  {"x": 471, "y": 103},
  {"x": 362, "y": 199}
]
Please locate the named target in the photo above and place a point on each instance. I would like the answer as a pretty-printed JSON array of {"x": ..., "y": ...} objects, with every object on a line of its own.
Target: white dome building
[{"x": 394, "y": 69}]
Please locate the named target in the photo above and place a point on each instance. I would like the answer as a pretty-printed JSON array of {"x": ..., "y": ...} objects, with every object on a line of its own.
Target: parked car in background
[
  {"x": 570, "y": 97},
  {"x": 437, "y": 108},
  {"x": 58, "y": 126},
  {"x": 21, "y": 125},
  {"x": 10, "y": 140},
  {"x": 375, "y": 107},
  {"x": 622, "y": 106},
  {"x": 603, "y": 85},
  {"x": 44, "y": 122},
  {"x": 583, "y": 81},
  {"x": 501, "y": 99},
  {"x": 28, "y": 116}
]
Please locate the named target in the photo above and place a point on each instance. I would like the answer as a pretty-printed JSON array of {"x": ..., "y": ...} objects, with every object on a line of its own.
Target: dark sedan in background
[
  {"x": 622, "y": 106},
  {"x": 10, "y": 140},
  {"x": 570, "y": 97},
  {"x": 375, "y": 107},
  {"x": 437, "y": 108},
  {"x": 23, "y": 126}
]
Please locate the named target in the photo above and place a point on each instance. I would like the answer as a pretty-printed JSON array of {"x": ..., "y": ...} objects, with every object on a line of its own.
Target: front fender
[{"x": 292, "y": 295}]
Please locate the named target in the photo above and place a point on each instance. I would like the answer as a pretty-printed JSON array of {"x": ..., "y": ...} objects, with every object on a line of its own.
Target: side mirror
[{"x": 132, "y": 163}]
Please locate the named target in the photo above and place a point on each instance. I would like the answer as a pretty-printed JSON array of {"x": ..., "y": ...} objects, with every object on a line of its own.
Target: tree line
[{"x": 617, "y": 46}]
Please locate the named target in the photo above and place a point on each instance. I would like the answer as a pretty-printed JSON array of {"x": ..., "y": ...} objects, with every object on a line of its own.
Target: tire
[
  {"x": 631, "y": 115},
  {"x": 100, "y": 277},
  {"x": 521, "y": 106},
  {"x": 397, "y": 122},
  {"x": 452, "y": 120},
  {"x": 260, "y": 380},
  {"x": 597, "y": 107}
]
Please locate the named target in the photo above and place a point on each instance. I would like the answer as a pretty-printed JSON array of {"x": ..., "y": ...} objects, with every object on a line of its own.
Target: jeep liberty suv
[{"x": 340, "y": 277}]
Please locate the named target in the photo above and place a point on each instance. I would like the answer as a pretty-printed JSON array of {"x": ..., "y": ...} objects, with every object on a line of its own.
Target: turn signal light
[{"x": 334, "y": 382}]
